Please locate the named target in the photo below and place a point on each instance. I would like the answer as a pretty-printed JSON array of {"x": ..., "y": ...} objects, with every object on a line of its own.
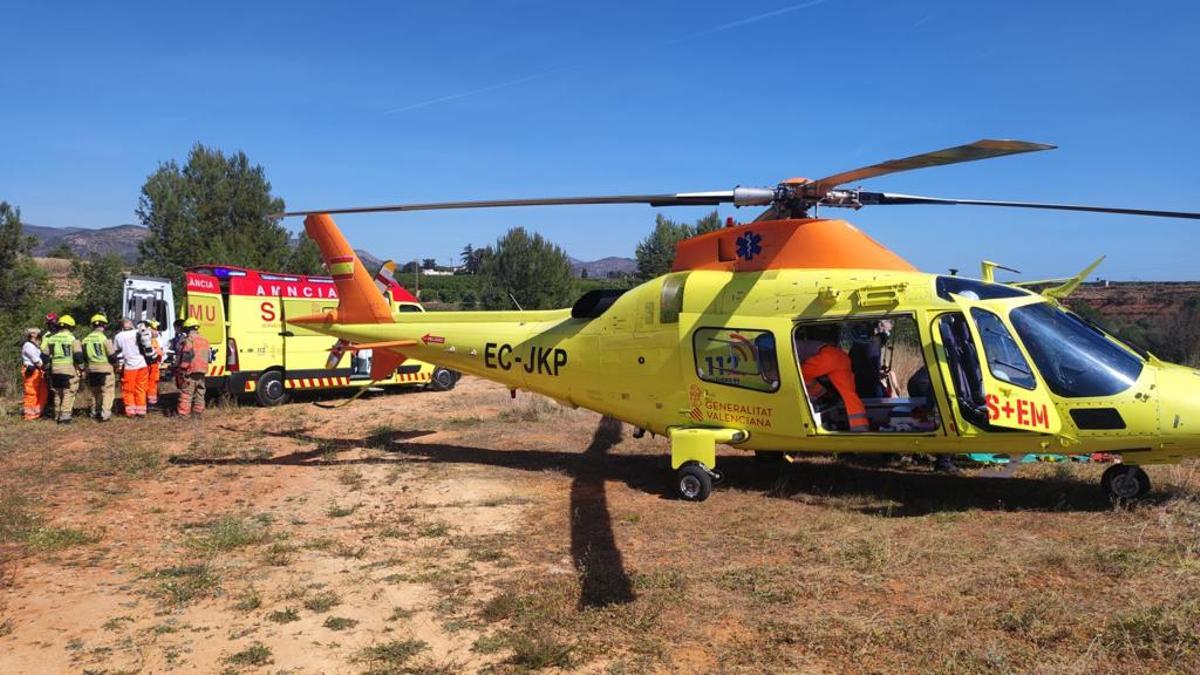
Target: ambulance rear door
[
  {"x": 145, "y": 298},
  {"x": 206, "y": 304}
]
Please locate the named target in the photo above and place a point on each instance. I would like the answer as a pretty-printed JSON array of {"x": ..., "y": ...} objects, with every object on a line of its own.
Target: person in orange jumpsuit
[
  {"x": 153, "y": 363},
  {"x": 823, "y": 358},
  {"x": 37, "y": 391},
  {"x": 133, "y": 370}
]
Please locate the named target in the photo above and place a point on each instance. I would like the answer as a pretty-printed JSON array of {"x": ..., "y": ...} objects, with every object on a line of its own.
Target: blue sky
[{"x": 383, "y": 102}]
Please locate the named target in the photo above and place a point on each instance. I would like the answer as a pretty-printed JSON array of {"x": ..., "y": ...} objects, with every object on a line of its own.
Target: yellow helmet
[
  {"x": 66, "y": 320},
  {"x": 152, "y": 323},
  {"x": 98, "y": 318},
  {"x": 188, "y": 323}
]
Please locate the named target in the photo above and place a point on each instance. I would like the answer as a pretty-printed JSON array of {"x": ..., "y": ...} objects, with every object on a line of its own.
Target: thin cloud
[
  {"x": 562, "y": 69},
  {"x": 746, "y": 21},
  {"x": 481, "y": 90}
]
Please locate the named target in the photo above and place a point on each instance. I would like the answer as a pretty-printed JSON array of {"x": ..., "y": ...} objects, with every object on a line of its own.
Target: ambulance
[{"x": 258, "y": 353}]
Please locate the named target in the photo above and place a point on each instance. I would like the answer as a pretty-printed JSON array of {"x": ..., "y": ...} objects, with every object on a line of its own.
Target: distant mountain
[
  {"x": 611, "y": 266},
  {"x": 369, "y": 260},
  {"x": 122, "y": 240}
]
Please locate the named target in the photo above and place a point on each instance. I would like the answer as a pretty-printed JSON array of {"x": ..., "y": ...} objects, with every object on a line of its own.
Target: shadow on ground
[
  {"x": 890, "y": 492},
  {"x": 594, "y": 551}
]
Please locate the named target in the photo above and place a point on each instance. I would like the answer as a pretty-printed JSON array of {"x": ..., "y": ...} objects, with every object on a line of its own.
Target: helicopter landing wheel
[
  {"x": 1125, "y": 482},
  {"x": 694, "y": 482}
]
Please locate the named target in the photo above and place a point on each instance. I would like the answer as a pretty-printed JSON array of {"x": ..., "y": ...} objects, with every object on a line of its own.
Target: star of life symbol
[{"x": 749, "y": 245}]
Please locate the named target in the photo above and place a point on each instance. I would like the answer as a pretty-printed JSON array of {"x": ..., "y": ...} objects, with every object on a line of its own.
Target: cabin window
[
  {"x": 671, "y": 299},
  {"x": 738, "y": 357},
  {"x": 981, "y": 290},
  {"x": 410, "y": 307},
  {"x": 1004, "y": 357},
  {"x": 873, "y": 367}
]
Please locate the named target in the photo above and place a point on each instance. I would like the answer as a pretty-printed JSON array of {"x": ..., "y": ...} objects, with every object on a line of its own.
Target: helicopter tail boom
[{"x": 359, "y": 299}]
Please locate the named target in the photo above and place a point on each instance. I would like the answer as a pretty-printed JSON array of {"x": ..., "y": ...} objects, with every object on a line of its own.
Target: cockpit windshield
[{"x": 1075, "y": 359}]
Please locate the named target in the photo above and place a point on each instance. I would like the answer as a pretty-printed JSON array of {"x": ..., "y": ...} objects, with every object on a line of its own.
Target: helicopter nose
[{"x": 1179, "y": 402}]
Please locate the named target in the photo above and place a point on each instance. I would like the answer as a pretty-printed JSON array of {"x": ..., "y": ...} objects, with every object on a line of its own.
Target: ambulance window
[
  {"x": 411, "y": 308},
  {"x": 1004, "y": 357},
  {"x": 737, "y": 357}
]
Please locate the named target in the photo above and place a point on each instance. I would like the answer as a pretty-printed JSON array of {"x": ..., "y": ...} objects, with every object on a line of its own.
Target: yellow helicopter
[{"x": 771, "y": 336}]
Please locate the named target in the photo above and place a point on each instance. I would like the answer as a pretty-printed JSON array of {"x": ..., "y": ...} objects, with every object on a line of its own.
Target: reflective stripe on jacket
[{"x": 62, "y": 346}]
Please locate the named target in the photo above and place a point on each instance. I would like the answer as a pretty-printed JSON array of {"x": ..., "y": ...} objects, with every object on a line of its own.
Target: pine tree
[
  {"x": 215, "y": 209},
  {"x": 305, "y": 257},
  {"x": 708, "y": 223},
  {"x": 23, "y": 292},
  {"x": 100, "y": 280},
  {"x": 656, "y": 253},
  {"x": 531, "y": 269}
]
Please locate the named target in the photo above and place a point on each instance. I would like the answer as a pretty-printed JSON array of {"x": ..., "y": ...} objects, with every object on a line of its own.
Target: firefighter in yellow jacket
[
  {"x": 100, "y": 355},
  {"x": 191, "y": 370},
  {"x": 66, "y": 361}
]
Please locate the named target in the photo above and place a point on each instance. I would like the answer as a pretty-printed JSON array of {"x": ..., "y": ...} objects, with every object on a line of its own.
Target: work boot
[{"x": 65, "y": 421}]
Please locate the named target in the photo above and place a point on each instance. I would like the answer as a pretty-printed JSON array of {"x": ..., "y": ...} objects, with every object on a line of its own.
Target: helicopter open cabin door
[{"x": 1013, "y": 394}]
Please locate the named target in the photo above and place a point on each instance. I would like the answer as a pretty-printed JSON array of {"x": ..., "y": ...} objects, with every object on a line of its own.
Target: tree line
[{"x": 216, "y": 207}]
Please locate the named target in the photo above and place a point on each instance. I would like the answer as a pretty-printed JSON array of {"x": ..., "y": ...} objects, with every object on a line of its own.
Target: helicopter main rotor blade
[
  {"x": 740, "y": 196},
  {"x": 884, "y": 198},
  {"x": 984, "y": 149}
]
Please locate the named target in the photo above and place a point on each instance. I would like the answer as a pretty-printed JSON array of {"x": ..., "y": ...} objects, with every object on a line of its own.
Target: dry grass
[{"x": 502, "y": 552}]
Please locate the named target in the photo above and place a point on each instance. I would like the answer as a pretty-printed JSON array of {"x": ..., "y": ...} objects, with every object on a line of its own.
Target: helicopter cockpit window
[
  {"x": 876, "y": 363},
  {"x": 981, "y": 289},
  {"x": 1075, "y": 360},
  {"x": 737, "y": 357},
  {"x": 1004, "y": 357}
]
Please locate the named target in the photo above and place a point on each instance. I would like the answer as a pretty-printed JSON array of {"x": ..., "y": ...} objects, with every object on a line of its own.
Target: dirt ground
[{"x": 468, "y": 532}]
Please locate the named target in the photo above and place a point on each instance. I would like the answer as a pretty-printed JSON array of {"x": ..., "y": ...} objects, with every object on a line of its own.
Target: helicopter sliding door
[
  {"x": 888, "y": 388},
  {"x": 1000, "y": 388}
]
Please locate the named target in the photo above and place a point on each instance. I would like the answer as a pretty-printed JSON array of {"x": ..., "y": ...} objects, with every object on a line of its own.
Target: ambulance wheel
[
  {"x": 270, "y": 390},
  {"x": 693, "y": 482},
  {"x": 1125, "y": 482},
  {"x": 443, "y": 379}
]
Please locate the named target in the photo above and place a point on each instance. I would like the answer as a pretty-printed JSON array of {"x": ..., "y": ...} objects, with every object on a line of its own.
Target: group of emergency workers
[{"x": 55, "y": 362}]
